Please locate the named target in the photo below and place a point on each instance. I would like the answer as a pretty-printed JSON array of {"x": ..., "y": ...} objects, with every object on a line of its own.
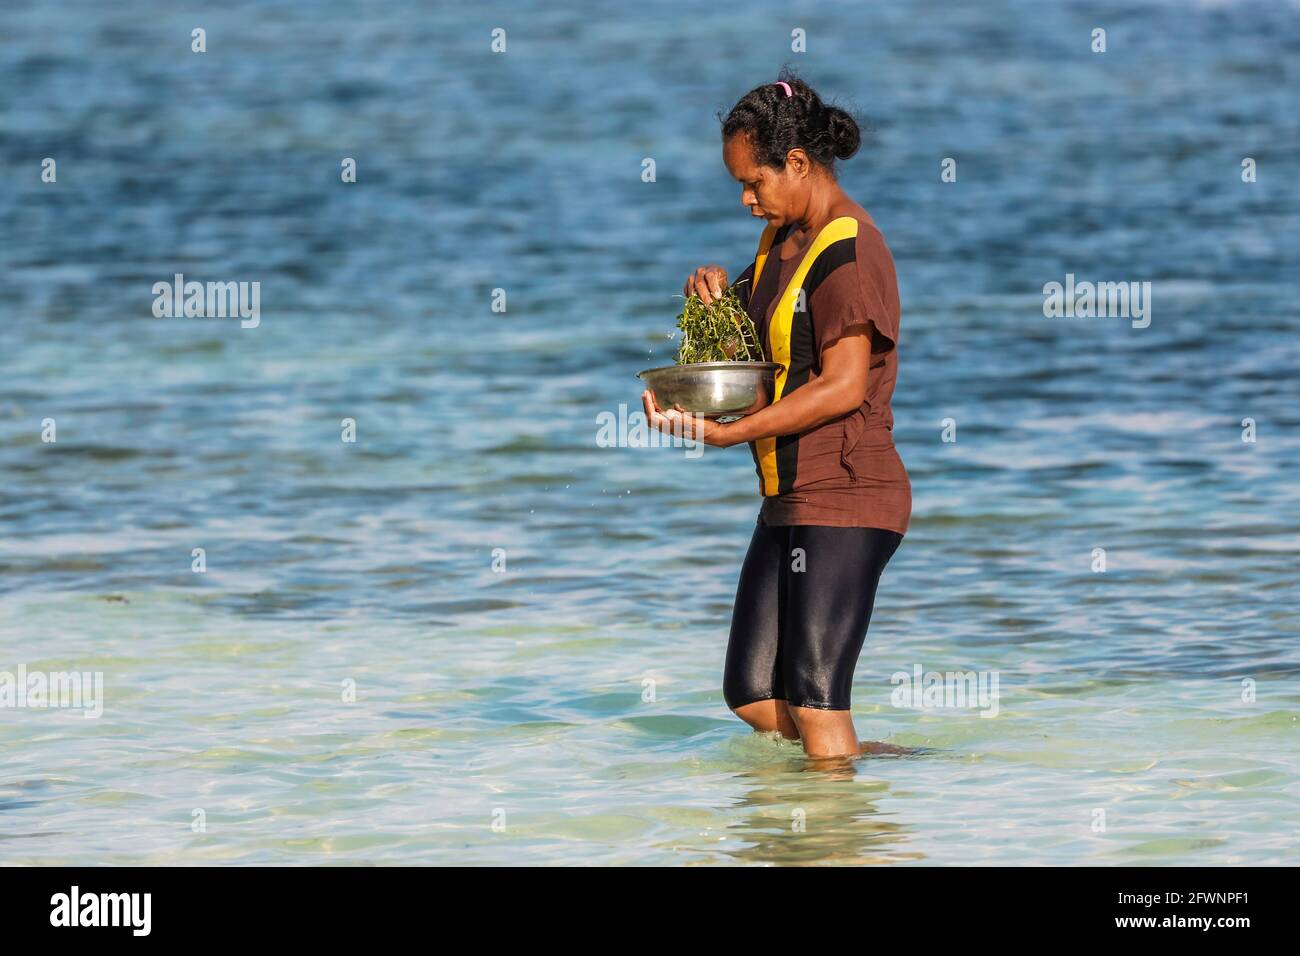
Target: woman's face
[{"x": 770, "y": 194}]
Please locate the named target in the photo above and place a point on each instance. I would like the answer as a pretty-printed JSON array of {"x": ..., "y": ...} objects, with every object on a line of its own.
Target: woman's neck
[{"x": 822, "y": 205}]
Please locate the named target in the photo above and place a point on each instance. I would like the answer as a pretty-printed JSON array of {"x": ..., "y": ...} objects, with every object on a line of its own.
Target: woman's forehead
[{"x": 739, "y": 158}]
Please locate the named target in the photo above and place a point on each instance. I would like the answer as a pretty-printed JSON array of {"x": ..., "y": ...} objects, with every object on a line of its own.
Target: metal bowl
[{"x": 713, "y": 388}]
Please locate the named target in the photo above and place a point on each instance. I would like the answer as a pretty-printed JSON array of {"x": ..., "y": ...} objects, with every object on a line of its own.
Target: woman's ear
[{"x": 798, "y": 163}]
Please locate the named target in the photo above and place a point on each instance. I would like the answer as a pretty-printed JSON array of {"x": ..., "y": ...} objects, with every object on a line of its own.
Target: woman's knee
[
  {"x": 738, "y": 695},
  {"x": 768, "y": 714}
]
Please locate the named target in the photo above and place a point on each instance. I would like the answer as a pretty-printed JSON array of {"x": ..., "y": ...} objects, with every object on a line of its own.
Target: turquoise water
[{"x": 568, "y": 709}]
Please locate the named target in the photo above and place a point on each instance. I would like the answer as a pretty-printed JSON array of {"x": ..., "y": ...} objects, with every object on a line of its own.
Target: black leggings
[{"x": 801, "y": 614}]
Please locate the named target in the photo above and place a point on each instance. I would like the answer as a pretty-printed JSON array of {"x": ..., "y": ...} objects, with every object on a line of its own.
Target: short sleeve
[
  {"x": 858, "y": 296},
  {"x": 838, "y": 309}
]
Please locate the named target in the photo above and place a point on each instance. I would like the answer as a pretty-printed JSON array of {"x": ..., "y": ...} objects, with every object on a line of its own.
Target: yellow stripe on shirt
[{"x": 778, "y": 330}]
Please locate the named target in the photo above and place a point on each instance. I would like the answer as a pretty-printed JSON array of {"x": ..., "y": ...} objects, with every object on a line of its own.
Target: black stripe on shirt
[{"x": 804, "y": 358}]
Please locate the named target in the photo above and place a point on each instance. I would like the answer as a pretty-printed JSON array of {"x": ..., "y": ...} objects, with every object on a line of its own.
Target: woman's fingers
[
  {"x": 707, "y": 282},
  {"x": 717, "y": 277},
  {"x": 702, "y": 288},
  {"x": 653, "y": 413},
  {"x": 693, "y": 281},
  {"x": 673, "y": 420}
]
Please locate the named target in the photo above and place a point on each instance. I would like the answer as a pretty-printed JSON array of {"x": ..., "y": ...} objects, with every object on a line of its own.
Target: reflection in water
[{"x": 827, "y": 811}]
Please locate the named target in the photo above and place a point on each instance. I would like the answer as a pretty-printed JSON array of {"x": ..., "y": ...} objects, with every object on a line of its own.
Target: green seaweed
[{"x": 719, "y": 332}]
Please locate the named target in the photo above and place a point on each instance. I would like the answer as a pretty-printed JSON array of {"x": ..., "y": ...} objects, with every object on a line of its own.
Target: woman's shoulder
[
  {"x": 865, "y": 275},
  {"x": 867, "y": 228},
  {"x": 869, "y": 242},
  {"x": 871, "y": 248}
]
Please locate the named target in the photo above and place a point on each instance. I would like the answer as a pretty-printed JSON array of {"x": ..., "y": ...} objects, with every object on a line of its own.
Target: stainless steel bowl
[{"x": 713, "y": 388}]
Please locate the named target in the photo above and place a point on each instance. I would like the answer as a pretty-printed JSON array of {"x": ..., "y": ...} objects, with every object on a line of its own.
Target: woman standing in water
[{"x": 836, "y": 498}]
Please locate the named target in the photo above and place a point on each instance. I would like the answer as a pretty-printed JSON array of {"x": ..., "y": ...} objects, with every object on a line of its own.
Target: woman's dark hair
[{"x": 777, "y": 123}]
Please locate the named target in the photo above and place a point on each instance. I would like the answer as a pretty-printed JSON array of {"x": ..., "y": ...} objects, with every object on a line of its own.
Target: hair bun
[
  {"x": 844, "y": 133},
  {"x": 776, "y": 123}
]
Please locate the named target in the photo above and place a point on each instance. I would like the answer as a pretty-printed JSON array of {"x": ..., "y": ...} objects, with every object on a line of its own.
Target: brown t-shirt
[{"x": 845, "y": 472}]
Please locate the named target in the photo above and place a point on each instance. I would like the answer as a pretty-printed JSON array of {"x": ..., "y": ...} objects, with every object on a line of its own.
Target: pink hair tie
[{"x": 786, "y": 85}]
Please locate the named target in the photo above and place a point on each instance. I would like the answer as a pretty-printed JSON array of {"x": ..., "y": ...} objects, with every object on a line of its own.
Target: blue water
[{"x": 568, "y": 708}]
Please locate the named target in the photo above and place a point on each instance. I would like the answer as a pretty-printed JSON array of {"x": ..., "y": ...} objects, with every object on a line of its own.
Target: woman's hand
[
  {"x": 678, "y": 421},
  {"x": 707, "y": 282}
]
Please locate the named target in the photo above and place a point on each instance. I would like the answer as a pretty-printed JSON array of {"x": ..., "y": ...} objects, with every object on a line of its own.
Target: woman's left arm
[{"x": 837, "y": 391}]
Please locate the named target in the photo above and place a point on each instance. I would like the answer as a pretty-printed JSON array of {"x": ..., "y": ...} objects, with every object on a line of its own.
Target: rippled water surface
[{"x": 1147, "y": 714}]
